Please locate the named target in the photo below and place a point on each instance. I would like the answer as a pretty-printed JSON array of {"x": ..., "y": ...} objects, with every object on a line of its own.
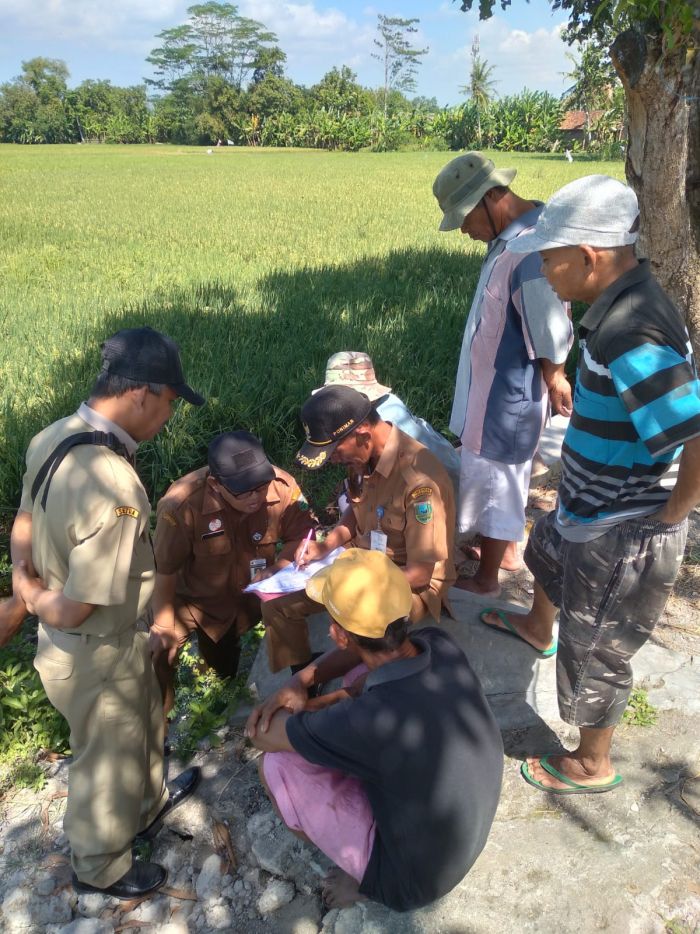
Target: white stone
[
  {"x": 92, "y": 904},
  {"x": 277, "y": 893},
  {"x": 44, "y": 885},
  {"x": 152, "y": 911},
  {"x": 220, "y": 917},
  {"x": 209, "y": 879},
  {"x": 83, "y": 926}
]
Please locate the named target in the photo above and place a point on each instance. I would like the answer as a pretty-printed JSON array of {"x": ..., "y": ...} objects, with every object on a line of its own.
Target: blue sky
[{"x": 111, "y": 39}]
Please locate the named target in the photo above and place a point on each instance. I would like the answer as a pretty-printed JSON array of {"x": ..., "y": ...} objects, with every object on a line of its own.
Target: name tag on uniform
[
  {"x": 377, "y": 541},
  {"x": 214, "y": 534}
]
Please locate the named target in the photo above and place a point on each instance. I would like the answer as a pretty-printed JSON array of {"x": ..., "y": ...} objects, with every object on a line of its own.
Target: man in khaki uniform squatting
[
  {"x": 218, "y": 528},
  {"x": 83, "y": 526},
  {"x": 401, "y": 502}
]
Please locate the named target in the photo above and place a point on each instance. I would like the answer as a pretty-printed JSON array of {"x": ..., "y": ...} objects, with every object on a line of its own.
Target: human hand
[
  {"x": 163, "y": 642},
  {"x": 27, "y": 588},
  {"x": 560, "y": 397},
  {"x": 291, "y": 696},
  {"x": 308, "y": 552},
  {"x": 12, "y": 615}
]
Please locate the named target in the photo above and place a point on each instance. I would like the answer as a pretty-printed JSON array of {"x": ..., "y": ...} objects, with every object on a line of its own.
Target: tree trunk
[{"x": 663, "y": 162}]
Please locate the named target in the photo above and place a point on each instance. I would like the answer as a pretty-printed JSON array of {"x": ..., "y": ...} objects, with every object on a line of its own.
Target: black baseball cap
[
  {"x": 328, "y": 416},
  {"x": 147, "y": 356},
  {"x": 238, "y": 462}
]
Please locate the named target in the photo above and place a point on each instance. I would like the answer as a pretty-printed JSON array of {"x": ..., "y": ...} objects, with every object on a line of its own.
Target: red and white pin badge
[{"x": 215, "y": 525}]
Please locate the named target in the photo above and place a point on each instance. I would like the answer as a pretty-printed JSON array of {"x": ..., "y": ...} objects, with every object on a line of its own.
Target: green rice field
[{"x": 261, "y": 263}]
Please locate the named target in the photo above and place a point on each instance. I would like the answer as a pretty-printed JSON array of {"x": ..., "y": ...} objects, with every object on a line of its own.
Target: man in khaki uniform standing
[
  {"x": 401, "y": 503},
  {"x": 218, "y": 528},
  {"x": 83, "y": 526}
]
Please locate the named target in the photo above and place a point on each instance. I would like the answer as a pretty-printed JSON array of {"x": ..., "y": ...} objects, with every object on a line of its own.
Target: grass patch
[{"x": 639, "y": 711}]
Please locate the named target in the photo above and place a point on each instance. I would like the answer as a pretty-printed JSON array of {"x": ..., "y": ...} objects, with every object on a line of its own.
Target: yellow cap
[{"x": 363, "y": 591}]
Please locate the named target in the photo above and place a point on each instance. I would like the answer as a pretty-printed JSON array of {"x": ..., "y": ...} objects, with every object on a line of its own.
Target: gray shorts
[{"x": 611, "y": 592}]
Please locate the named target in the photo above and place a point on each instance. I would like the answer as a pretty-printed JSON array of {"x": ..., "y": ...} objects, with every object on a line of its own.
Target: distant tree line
[{"x": 221, "y": 77}]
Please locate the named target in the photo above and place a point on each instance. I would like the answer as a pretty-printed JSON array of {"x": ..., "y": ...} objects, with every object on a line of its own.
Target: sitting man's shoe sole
[
  {"x": 142, "y": 879},
  {"x": 180, "y": 789}
]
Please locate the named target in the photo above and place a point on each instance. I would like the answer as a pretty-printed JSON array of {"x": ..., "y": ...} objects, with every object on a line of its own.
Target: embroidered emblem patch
[
  {"x": 169, "y": 518},
  {"x": 215, "y": 525},
  {"x": 126, "y": 511},
  {"x": 422, "y": 491},
  {"x": 257, "y": 536},
  {"x": 299, "y": 498},
  {"x": 424, "y": 512},
  {"x": 312, "y": 462}
]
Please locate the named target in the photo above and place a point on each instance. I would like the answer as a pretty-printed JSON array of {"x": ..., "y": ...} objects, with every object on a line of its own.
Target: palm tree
[{"x": 481, "y": 87}]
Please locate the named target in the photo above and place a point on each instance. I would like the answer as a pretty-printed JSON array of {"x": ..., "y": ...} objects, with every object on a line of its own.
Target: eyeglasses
[{"x": 263, "y": 486}]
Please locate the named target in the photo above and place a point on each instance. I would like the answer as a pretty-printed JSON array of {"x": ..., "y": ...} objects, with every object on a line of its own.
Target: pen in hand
[{"x": 303, "y": 549}]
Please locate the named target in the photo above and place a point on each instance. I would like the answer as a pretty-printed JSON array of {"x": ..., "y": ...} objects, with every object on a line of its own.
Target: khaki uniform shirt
[
  {"x": 210, "y": 545},
  {"x": 93, "y": 539},
  {"x": 415, "y": 495}
]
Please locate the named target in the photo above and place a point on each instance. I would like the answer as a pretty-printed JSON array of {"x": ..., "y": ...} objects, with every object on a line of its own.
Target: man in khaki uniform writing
[
  {"x": 83, "y": 526},
  {"x": 218, "y": 528},
  {"x": 401, "y": 503}
]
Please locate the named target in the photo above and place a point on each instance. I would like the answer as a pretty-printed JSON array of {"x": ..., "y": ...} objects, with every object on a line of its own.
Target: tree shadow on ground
[{"x": 256, "y": 365}]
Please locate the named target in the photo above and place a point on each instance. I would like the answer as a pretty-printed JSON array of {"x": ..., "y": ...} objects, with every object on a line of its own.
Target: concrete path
[{"x": 622, "y": 862}]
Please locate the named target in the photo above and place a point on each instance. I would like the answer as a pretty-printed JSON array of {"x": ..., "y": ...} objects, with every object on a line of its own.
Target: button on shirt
[
  {"x": 93, "y": 538},
  {"x": 415, "y": 498},
  {"x": 210, "y": 545},
  {"x": 500, "y": 400}
]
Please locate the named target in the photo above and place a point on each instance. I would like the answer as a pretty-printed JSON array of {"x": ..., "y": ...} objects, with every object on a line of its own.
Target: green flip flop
[
  {"x": 510, "y": 631},
  {"x": 574, "y": 788}
]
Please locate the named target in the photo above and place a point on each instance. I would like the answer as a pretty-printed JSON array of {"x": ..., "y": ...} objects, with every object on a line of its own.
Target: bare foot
[
  {"x": 573, "y": 769},
  {"x": 340, "y": 889},
  {"x": 522, "y": 624},
  {"x": 475, "y": 586}
]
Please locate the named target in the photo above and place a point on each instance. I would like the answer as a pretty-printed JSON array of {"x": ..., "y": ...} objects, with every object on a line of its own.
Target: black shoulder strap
[{"x": 53, "y": 461}]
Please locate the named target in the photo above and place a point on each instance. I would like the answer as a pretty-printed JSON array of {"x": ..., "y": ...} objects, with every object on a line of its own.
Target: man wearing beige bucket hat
[
  {"x": 511, "y": 366},
  {"x": 354, "y": 368}
]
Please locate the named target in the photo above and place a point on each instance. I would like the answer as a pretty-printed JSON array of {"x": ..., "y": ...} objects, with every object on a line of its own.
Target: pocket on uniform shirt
[{"x": 211, "y": 547}]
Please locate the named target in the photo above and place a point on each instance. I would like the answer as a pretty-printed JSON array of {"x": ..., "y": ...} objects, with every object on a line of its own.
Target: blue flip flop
[
  {"x": 574, "y": 788},
  {"x": 510, "y": 631}
]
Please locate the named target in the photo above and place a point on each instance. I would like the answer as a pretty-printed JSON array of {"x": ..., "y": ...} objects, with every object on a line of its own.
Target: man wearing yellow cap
[{"x": 396, "y": 777}]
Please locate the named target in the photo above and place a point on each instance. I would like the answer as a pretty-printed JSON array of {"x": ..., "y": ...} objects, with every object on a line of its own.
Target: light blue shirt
[{"x": 393, "y": 410}]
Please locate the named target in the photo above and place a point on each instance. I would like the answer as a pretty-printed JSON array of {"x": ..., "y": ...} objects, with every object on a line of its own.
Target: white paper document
[{"x": 291, "y": 578}]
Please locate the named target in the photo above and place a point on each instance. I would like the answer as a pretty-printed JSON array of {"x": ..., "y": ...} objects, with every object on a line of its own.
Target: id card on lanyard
[{"x": 377, "y": 538}]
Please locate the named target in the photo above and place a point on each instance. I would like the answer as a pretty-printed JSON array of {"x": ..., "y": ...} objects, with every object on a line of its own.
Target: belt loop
[{"x": 83, "y": 637}]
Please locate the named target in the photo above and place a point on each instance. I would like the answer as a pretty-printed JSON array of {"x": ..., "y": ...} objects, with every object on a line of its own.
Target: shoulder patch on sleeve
[
  {"x": 422, "y": 491},
  {"x": 126, "y": 511},
  {"x": 299, "y": 498},
  {"x": 169, "y": 518},
  {"x": 423, "y": 512}
]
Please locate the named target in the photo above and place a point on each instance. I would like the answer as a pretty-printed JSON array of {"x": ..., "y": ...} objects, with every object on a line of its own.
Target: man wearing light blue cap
[{"x": 609, "y": 553}]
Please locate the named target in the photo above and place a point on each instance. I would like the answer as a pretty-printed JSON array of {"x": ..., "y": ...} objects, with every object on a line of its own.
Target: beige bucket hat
[
  {"x": 462, "y": 184},
  {"x": 355, "y": 369}
]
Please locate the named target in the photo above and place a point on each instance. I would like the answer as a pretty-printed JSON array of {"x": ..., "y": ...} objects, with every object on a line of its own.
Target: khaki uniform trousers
[
  {"x": 287, "y": 633},
  {"x": 107, "y": 691}
]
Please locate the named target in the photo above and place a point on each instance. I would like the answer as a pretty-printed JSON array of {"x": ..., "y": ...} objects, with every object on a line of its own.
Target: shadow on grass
[{"x": 257, "y": 363}]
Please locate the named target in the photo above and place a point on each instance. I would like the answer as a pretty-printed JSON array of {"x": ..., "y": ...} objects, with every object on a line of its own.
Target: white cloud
[{"x": 111, "y": 22}]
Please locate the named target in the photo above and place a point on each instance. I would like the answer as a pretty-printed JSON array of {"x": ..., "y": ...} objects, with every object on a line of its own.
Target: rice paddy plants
[{"x": 261, "y": 263}]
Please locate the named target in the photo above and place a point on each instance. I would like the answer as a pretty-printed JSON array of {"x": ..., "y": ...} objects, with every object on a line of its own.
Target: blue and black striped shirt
[{"x": 637, "y": 401}]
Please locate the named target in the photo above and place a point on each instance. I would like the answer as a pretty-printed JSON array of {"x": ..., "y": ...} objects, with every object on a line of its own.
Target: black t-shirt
[{"x": 425, "y": 744}]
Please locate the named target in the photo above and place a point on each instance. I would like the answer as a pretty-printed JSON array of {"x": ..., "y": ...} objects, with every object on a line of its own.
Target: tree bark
[{"x": 662, "y": 92}]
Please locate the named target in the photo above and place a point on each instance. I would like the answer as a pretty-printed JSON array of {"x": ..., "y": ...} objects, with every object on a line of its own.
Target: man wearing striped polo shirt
[{"x": 610, "y": 552}]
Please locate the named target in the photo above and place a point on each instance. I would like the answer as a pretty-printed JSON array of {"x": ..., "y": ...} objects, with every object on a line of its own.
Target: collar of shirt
[
  {"x": 528, "y": 219},
  {"x": 402, "y": 668},
  {"x": 100, "y": 423},
  {"x": 213, "y": 502},
  {"x": 595, "y": 314},
  {"x": 387, "y": 458}
]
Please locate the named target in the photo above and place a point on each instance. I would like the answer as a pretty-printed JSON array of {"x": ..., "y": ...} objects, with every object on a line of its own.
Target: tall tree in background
[
  {"x": 655, "y": 50},
  {"x": 481, "y": 87},
  {"x": 399, "y": 59},
  {"x": 33, "y": 106},
  {"x": 594, "y": 84}
]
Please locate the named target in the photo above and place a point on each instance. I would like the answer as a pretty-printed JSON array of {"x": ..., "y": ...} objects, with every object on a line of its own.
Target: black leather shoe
[
  {"x": 142, "y": 879},
  {"x": 180, "y": 789}
]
